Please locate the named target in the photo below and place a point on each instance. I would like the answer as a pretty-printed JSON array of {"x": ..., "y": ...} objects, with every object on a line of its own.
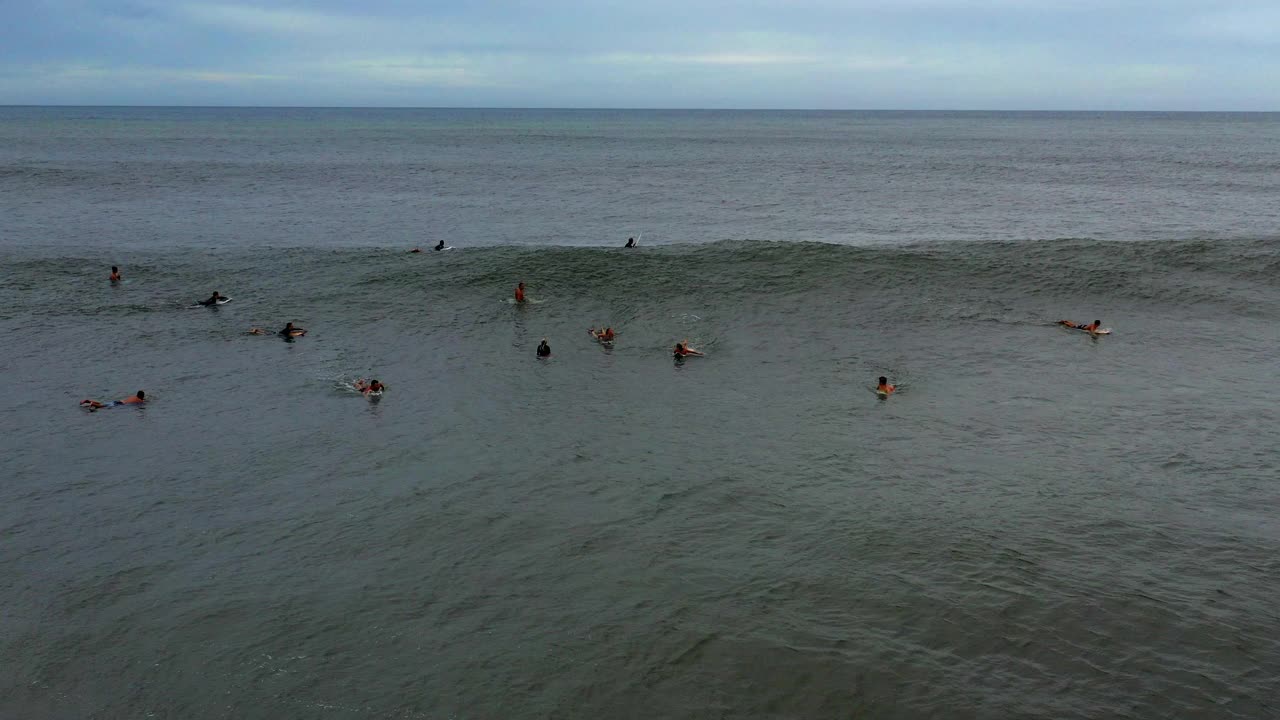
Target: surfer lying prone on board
[
  {"x": 213, "y": 299},
  {"x": 603, "y": 335},
  {"x": 136, "y": 399},
  {"x": 369, "y": 387},
  {"x": 683, "y": 350},
  {"x": 1092, "y": 328}
]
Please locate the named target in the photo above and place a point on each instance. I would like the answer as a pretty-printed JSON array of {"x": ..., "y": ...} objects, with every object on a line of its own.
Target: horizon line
[{"x": 633, "y": 109}]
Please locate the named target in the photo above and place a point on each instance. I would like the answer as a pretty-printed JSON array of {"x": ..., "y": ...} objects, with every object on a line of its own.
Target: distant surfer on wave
[
  {"x": 366, "y": 388},
  {"x": 213, "y": 299},
  {"x": 884, "y": 388},
  {"x": 1091, "y": 328},
  {"x": 115, "y": 274},
  {"x": 544, "y": 350},
  {"x": 682, "y": 350},
  {"x": 631, "y": 242},
  {"x": 289, "y": 331},
  {"x": 520, "y": 293},
  {"x": 603, "y": 335},
  {"x": 136, "y": 399},
  {"x": 440, "y": 245}
]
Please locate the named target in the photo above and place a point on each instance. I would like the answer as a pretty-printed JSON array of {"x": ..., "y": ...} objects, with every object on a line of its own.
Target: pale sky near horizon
[{"x": 827, "y": 54}]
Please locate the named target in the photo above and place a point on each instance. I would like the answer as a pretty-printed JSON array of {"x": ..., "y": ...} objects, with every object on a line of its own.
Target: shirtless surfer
[
  {"x": 115, "y": 274},
  {"x": 884, "y": 388},
  {"x": 603, "y": 335},
  {"x": 137, "y": 398},
  {"x": 1091, "y": 328},
  {"x": 520, "y": 293},
  {"x": 682, "y": 350}
]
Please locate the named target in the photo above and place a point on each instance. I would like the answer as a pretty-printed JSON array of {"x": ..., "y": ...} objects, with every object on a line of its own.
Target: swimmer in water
[
  {"x": 1091, "y": 328},
  {"x": 683, "y": 350},
  {"x": 137, "y": 398},
  {"x": 631, "y": 242},
  {"x": 884, "y": 388},
  {"x": 603, "y": 335},
  {"x": 520, "y": 293},
  {"x": 213, "y": 299},
  {"x": 373, "y": 386},
  {"x": 256, "y": 331},
  {"x": 115, "y": 274},
  {"x": 289, "y": 331},
  {"x": 544, "y": 350},
  {"x": 440, "y": 246}
]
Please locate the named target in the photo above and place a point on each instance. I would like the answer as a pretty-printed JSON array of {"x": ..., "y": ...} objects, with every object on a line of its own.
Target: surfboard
[
  {"x": 1099, "y": 331},
  {"x": 221, "y": 301}
]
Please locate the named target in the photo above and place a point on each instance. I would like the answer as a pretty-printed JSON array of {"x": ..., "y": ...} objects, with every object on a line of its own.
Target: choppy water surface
[{"x": 1039, "y": 525}]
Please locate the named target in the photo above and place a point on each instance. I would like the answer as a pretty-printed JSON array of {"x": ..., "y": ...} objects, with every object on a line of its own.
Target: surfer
[
  {"x": 544, "y": 350},
  {"x": 289, "y": 331},
  {"x": 415, "y": 250},
  {"x": 256, "y": 331},
  {"x": 136, "y": 399},
  {"x": 683, "y": 350},
  {"x": 115, "y": 274},
  {"x": 213, "y": 299},
  {"x": 1091, "y": 328},
  {"x": 884, "y": 388},
  {"x": 440, "y": 246},
  {"x": 520, "y": 293},
  {"x": 373, "y": 386},
  {"x": 631, "y": 242},
  {"x": 603, "y": 335}
]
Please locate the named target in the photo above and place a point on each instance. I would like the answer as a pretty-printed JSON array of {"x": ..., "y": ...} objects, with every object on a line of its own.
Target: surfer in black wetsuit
[
  {"x": 290, "y": 331},
  {"x": 440, "y": 246},
  {"x": 631, "y": 242},
  {"x": 213, "y": 299},
  {"x": 544, "y": 350}
]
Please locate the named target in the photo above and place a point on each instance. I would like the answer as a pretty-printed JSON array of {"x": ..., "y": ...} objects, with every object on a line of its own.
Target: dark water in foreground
[{"x": 1040, "y": 525}]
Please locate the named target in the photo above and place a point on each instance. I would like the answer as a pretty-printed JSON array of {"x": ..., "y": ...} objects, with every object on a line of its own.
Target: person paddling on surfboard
[
  {"x": 115, "y": 274},
  {"x": 604, "y": 335},
  {"x": 683, "y": 350},
  {"x": 1091, "y": 328},
  {"x": 289, "y": 331},
  {"x": 520, "y": 293},
  {"x": 213, "y": 299},
  {"x": 884, "y": 388},
  {"x": 373, "y": 386},
  {"x": 440, "y": 246},
  {"x": 136, "y": 399},
  {"x": 544, "y": 350}
]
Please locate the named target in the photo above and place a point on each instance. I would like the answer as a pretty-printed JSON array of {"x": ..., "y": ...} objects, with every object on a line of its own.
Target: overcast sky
[{"x": 902, "y": 54}]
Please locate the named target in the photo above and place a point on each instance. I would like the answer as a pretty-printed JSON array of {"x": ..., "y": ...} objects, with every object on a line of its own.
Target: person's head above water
[
  {"x": 140, "y": 395},
  {"x": 115, "y": 269},
  {"x": 884, "y": 380}
]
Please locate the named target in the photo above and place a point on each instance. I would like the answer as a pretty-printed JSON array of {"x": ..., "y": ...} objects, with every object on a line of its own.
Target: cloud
[{"x": 1016, "y": 54}]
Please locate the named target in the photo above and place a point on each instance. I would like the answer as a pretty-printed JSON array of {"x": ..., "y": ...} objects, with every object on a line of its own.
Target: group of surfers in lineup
[{"x": 604, "y": 335}]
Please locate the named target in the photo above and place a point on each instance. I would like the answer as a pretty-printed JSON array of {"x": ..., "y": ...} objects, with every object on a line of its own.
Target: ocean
[{"x": 1039, "y": 524}]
